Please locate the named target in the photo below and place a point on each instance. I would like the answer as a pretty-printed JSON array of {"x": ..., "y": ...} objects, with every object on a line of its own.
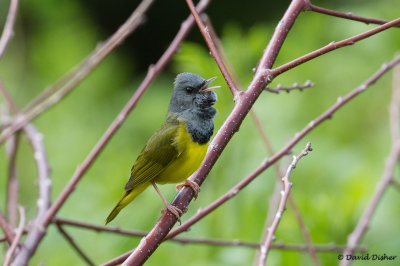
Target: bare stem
[
  {"x": 8, "y": 27},
  {"x": 72, "y": 242},
  {"x": 214, "y": 52},
  {"x": 20, "y": 231},
  {"x": 345, "y": 15},
  {"x": 295, "y": 86},
  {"x": 330, "y": 47},
  {"x": 8, "y": 232}
]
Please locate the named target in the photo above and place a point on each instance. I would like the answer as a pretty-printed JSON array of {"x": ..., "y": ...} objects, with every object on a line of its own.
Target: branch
[
  {"x": 8, "y": 27},
  {"x": 285, "y": 150},
  {"x": 151, "y": 74},
  {"x": 213, "y": 49},
  {"x": 330, "y": 47},
  {"x": 20, "y": 231},
  {"x": 8, "y": 232},
  {"x": 243, "y": 104},
  {"x": 71, "y": 241},
  {"x": 36, "y": 141},
  {"x": 265, "y": 247},
  {"x": 67, "y": 83},
  {"x": 296, "y": 86},
  {"x": 345, "y": 15},
  {"x": 385, "y": 180}
]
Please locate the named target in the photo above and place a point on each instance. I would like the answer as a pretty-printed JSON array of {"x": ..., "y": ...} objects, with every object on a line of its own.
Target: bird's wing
[{"x": 158, "y": 153}]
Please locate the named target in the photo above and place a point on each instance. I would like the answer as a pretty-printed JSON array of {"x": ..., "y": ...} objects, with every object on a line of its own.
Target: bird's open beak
[{"x": 205, "y": 88}]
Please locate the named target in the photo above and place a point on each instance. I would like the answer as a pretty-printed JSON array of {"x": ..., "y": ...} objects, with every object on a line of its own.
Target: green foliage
[{"x": 331, "y": 186}]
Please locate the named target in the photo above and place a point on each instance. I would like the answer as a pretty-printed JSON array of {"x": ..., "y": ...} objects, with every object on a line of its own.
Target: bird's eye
[{"x": 189, "y": 89}]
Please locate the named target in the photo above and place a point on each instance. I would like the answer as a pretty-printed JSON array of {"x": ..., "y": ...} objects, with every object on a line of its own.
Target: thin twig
[
  {"x": 345, "y": 15},
  {"x": 287, "y": 185},
  {"x": 72, "y": 242},
  {"x": 12, "y": 144},
  {"x": 213, "y": 49},
  {"x": 355, "y": 237},
  {"x": 8, "y": 232},
  {"x": 285, "y": 150},
  {"x": 330, "y": 47},
  {"x": 66, "y": 85},
  {"x": 8, "y": 27},
  {"x": 20, "y": 231},
  {"x": 295, "y": 86}
]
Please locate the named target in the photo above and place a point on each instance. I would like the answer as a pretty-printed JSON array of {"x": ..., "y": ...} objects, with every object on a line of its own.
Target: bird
[{"x": 178, "y": 148}]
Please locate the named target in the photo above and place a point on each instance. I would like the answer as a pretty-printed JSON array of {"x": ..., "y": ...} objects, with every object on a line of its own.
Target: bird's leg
[
  {"x": 174, "y": 210},
  {"x": 193, "y": 185}
]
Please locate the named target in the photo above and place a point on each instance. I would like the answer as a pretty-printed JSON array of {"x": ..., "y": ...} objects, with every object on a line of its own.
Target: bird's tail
[{"x": 126, "y": 198}]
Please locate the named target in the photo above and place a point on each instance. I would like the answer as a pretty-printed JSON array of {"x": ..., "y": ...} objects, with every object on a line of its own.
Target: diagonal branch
[
  {"x": 330, "y": 47},
  {"x": 67, "y": 83},
  {"x": 387, "y": 175},
  {"x": 243, "y": 104},
  {"x": 254, "y": 116},
  {"x": 8, "y": 27},
  {"x": 75, "y": 246},
  {"x": 287, "y": 185},
  {"x": 345, "y": 15},
  {"x": 20, "y": 231},
  {"x": 8, "y": 232},
  {"x": 214, "y": 52}
]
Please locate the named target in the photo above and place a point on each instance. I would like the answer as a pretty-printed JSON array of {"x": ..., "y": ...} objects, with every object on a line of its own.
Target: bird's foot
[
  {"x": 174, "y": 210},
  {"x": 193, "y": 185}
]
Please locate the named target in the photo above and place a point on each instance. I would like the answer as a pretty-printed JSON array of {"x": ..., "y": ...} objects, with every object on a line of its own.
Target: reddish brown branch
[
  {"x": 387, "y": 176},
  {"x": 214, "y": 52},
  {"x": 71, "y": 80},
  {"x": 72, "y": 242},
  {"x": 345, "y": 15},
  {"x": 330, "y": 47},
  {"x": 244, "y": 102},
  {"x": 287, "y": 185},
  {"x": 285, "y": 150},
  {"x": 8, "y": 26}
]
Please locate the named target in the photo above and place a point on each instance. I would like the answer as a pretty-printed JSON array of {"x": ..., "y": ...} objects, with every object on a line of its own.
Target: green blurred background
[{"x": 331, "y": 186}]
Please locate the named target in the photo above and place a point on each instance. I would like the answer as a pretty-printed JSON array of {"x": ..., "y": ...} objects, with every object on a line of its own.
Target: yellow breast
[{"x": 191, "y": 155}]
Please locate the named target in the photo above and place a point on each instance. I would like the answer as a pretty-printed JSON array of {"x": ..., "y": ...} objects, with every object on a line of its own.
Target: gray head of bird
[{"x": 192, "y": 93}]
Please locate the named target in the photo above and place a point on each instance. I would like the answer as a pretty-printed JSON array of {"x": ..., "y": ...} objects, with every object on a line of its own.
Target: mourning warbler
[{"x": 177, "y": 149}]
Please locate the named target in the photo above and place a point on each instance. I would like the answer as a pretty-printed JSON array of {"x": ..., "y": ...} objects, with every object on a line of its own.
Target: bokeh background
[{"x": 331, "y": 186}]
